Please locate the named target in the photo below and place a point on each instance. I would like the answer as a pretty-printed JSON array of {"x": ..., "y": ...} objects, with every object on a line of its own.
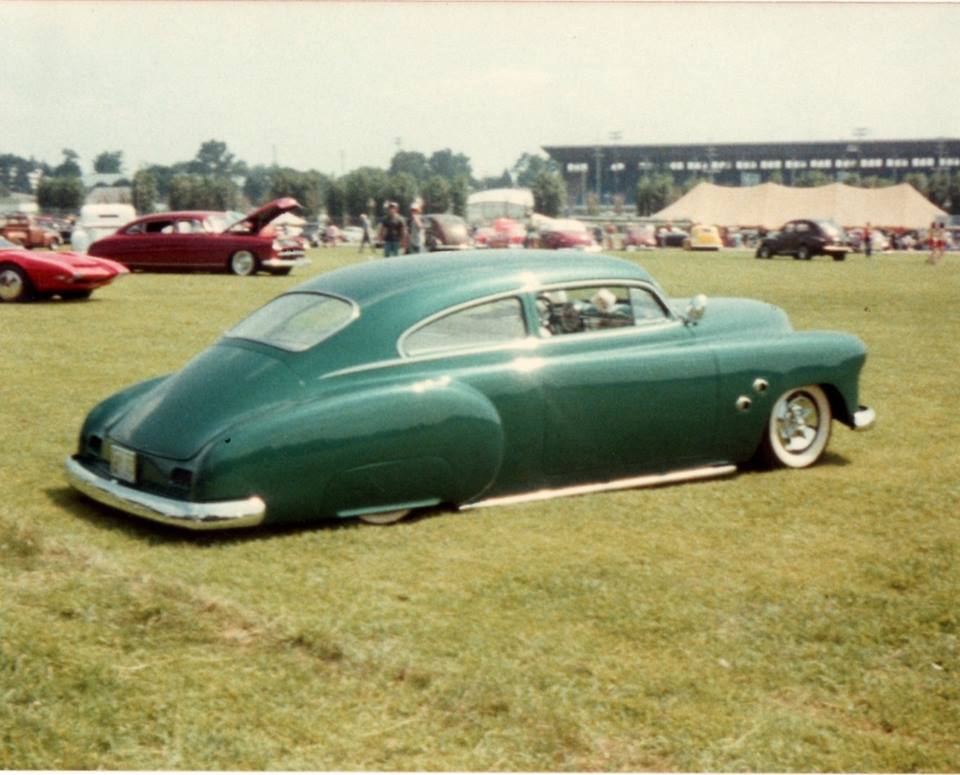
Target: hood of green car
[{"x": 215, "y": 391}]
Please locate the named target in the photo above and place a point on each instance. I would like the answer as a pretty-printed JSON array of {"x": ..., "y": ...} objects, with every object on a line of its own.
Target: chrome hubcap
[
  {"x": 243, "y": 263},
  {"x": 798, "y": 421},
  {"x": 11, "y": 286}
]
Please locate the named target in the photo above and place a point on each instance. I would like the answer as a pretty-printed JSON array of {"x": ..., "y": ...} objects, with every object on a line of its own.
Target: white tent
[
  {"x": 771, "y": 205},
  {"x": 499, "y": 203}
]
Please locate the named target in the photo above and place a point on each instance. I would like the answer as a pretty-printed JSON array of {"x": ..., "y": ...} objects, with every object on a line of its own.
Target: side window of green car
[
  {"x": 483, "y": 325},
  {"x": 597, "y": 308}
]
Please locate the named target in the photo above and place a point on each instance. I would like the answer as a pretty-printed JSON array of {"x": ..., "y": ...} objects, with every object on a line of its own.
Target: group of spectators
[{"x": 397, "y": 235}]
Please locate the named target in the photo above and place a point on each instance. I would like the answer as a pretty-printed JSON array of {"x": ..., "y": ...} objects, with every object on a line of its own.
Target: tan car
[{"x": 28, "y": 232}]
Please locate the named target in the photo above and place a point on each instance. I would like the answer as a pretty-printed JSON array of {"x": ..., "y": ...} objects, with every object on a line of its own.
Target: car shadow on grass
[{"x": 107, "y": 518}]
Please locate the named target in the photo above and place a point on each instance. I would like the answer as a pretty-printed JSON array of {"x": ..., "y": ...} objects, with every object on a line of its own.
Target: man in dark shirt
[{"x": 393, "y": 231}]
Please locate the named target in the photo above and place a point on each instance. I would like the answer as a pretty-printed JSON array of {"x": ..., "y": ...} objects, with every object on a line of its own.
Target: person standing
[
  {"x": 868, "y": 241},
  {"x": 938, "y": 243},
  {"x": 415, "y": 239},
  {"x": 393, "y": 231},
  {"x": 365, "y": 239}
]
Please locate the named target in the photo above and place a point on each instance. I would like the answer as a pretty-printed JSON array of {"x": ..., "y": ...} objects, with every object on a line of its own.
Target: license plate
[{"x": 123, "y": 464}]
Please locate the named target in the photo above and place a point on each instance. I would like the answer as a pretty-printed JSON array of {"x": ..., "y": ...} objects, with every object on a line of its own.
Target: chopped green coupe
[{"x": 465, "y": 380}]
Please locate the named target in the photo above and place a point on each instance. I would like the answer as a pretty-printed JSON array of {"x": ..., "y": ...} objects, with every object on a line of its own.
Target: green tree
[
  {"x": 918, "y": 180},
  {"x": 528, "y": 167},
  {"x": 256, "y": 184},
  {"x": 450, "y": 165},
  {"x": 109, "y": 162},
  {"x": 412, "y": 162},
  {"x": 656, "y": 191},
  {"x": 402, "y": 189},
  {"x": 308, "y": 188},
  {"x": 68, "y": 167},
  {"x": 549, "y": 193},
  {"x": 336, "y": 199},
  {"x": 144, "y": 191},
  {"x": 194, "y": 192},
  {"x": 436, "y": 195},
  {"x": 459, "y": 191},
  {"x": 361, "y": 186},
  {"x": 776, "y": 177},
  {"x": 60, "y": 193},
  {"x": 938, "y": 189},
  {"x": 213, "y": 158},
  {"x": 812, "y": 178},
  {"x": 496, "y": 181}
]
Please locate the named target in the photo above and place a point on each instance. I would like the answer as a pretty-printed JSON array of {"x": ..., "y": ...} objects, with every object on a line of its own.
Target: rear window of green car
[{"x": 295, "y": 321}]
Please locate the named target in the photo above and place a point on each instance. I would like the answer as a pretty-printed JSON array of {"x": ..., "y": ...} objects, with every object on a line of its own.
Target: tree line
[{"x": 214, "y": 179}]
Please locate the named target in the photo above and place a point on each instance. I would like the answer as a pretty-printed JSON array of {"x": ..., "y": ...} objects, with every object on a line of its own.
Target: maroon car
[
  {"x": 566, "y": 234},
  {"x": 206, "y": 240}
]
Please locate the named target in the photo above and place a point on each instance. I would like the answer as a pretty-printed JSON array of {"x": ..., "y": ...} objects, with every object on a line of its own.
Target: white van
[{"x": 98, "y": 221}]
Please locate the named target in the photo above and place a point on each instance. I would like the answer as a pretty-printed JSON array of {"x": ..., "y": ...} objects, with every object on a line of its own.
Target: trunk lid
[{"x": 213, "y": 392}]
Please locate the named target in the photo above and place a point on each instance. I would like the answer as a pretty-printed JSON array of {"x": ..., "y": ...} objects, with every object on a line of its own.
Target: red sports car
[
  {"x": 29, "y": 274},
  {"x": 208, "y": 241}
]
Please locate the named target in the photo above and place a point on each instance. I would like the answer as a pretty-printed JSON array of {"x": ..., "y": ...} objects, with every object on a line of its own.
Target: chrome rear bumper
[
  {"x": 864, "y": 418},
  {"x": 169, "y": 511},
  {"x": 279, "y": 263}
]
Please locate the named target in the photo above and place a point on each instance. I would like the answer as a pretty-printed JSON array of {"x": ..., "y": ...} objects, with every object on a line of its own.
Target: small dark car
[{"x": 804, "y": 239}]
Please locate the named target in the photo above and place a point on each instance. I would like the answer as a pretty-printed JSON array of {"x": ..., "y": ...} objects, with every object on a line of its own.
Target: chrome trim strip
[
  {"x": 864, "y": 418},
  {"x": 650, "y": 480},
  {"x": 187, "y": 514},
  {"x": 273, "y": 263}
]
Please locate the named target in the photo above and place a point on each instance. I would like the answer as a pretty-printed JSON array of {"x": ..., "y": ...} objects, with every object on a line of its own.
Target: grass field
[{"x": 769, "y": 621}]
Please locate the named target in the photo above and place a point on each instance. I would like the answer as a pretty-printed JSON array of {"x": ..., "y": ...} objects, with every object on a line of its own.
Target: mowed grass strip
[{"x": 770, "y": 621}]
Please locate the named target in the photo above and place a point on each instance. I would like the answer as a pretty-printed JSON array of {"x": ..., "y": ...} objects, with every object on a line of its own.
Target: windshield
[
  {"x": 5, "y": 243},
  {"x": 295, "y": 321}
]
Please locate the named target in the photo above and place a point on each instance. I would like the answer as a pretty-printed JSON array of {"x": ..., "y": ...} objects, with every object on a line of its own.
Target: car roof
[{"x": 418, "y": 285}]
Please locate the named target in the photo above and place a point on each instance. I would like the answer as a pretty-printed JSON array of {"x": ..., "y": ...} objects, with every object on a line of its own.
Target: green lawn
[{"x": 769, "y": 621}]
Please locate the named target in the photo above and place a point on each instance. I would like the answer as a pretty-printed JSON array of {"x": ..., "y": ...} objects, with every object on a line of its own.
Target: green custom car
[{"x": 465, "y": 380}]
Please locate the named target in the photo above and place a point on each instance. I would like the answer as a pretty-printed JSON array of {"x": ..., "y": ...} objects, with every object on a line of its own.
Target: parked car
[
  {"x": 569, "y": 234},
  {"x": 446, "y": 232},
  {"x": 671, "y": 238},
  {"x": 206, "y": 240},
  {"x": 803, "y": 239},
  {"x": 465, "y": 380},
  {"x": 643, "y": 237},
  {"x": 28, "y": 274},
  {"x": 29, "y": 231},
  {"x": 481, "y": 236},
  {"x": 507, "y": 233},
  {"x": 98, "y": 221},
  {"x": 703, "y": 237}
]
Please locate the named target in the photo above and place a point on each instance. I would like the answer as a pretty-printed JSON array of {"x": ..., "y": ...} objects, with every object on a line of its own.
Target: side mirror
[{"x": 696, "y": 308}]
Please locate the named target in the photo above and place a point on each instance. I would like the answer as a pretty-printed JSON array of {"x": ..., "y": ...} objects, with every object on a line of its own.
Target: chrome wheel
[
  {"x": 243, "y": 263},
  {"x": 14, "y": 285},
  {"x": 385, "y": 517},
  {"x": 799, "y": 428},
  {"x": 803, "y": 253}
]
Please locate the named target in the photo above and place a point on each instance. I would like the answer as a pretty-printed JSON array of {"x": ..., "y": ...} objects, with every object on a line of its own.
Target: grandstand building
[{"x": 608, "y": 170}]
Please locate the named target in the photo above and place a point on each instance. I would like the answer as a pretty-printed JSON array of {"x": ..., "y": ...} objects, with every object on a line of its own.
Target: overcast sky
[{"x": 332, "y": 86}]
